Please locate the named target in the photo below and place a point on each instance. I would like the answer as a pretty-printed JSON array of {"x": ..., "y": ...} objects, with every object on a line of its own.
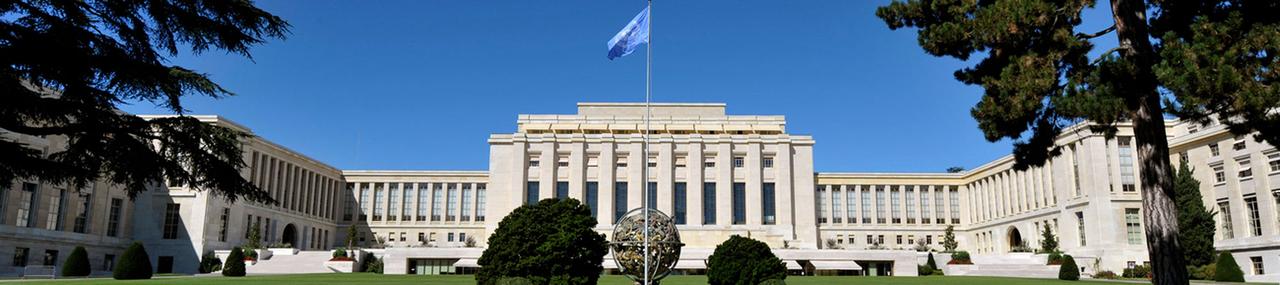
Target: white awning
[
  {"x": 609, "y": 263},
  {"x": 793, "y": 265},
  {"x": 467, "y": 262},
  {"x": 835, "y": 265},
  {"x": 691, "y": 264}
]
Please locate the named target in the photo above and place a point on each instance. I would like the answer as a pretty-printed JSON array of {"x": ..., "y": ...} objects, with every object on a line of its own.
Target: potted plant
[{"x": 342, "y": 260}]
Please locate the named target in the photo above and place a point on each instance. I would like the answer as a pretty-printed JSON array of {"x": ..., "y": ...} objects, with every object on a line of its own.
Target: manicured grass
[{"x": 370, "y": 279}]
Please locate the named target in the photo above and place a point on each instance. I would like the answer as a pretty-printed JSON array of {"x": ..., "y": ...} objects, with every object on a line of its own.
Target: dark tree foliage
[
  {"x": 955, "y": 169},
  {"x": 551, "y": 240},
  {"x": 949, "y": 243},
  {"x": 933, "y": 265},
  {"x": 1208, "y": 58},
  {"x": 235, "y": 263},
  {"x": 1048, "y": 240},
  {"x": 134, "y": 263},
  {"x": 1195, "y": 223},
  {"x": 1227, "y": 269},
  {"x": 209, "y": 263},
  {"x": 77, "y": 264},
  {"x": 1068, "y": 270},
  {"x": 66, "y": 65},
  {"x": 743, "y": 261}
]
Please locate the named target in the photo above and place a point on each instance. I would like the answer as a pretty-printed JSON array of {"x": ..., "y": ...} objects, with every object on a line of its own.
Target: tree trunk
[{"x": 1159, "y": 212}]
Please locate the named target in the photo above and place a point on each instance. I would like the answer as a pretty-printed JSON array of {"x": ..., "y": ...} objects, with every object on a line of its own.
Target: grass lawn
[{"x": 371, "y": 279}]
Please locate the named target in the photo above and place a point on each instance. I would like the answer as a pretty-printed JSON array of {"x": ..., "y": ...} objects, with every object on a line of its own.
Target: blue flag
[{"x": 635, "y": 33}]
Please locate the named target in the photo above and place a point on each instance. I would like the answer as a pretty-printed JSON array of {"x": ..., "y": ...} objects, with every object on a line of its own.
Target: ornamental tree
[
  {"x": 1194, "y": 59},
  {"x": 553, "y": 240},
  {"x": 1195, "y": 223},
  {"x": 68, "y": 64},
  {"x": 1048, "y": 240},
  {"x": 743, "y": 261},
  {"x": 949, "y": 243}
]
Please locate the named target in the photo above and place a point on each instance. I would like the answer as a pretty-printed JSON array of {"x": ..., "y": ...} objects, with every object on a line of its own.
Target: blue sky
[{"x": 421, "y": 84}]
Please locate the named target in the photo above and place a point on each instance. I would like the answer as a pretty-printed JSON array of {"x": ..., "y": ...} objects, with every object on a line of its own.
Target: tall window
[
  {"x": 836, "y": 211},
  {"x": 424, "y": 201},
  {"x": 653, "y": 195},
  {"x": 4, "y": 199},
  {"x": 679, "y": 196},
  {"x": 1275, "y": 195},
  {"x": 1224, "y": 207},
  {"x": 531, "y": 193},
  {"x": 709, "y": 203},
  {"x": 1219, "y": 175},
  {"x": 1213, "y": 149},
  {"x": 880, "y": 217},
  {"x": 20, "y": 256},
  {"x": 822, "y": 204},
  {"x": 407, "y": 193},
  {"x": 911, "y": 204},
  {"x": 1255, "y": 222},
  {"x": 27, "y": 209},
  {"x": 739, "y": 203},
  {"x": 619, "y": 200},
  {"x": 954, "y": 194},
  {"x": 925, "y": 217},
  {"x": 393, "y": 190},
  {"x": 770, "y": 205},
  {"x": 593, "y": 194},
  {"x": 1244, "y": 169},
  {"x": 1126, "y": 164},
  {"x": 866, "y": 205},
  {"x": 466, "y": 202},
  {"x": 378, "y": 200},
  {"x": 82, "y": 217},
  {"x": 480, "y": 202},
  {"x": 437, "y": 201},
  {"x": 452, "y": 203},
  {"x": 895, "y": 198},
  {"x": 1075, "y": 170},
  {"x": 1080, "y": 228},
  {"x": 348, "y": 205},
  {"x": 113, "y": 219},
  {"x": 364, "y": 200},
  {"x": 171, "y": 219},
  {"x": 222, "y": 224},
  {"x": 938, "y": 208},
  {"x": 1273, "y": 160},
  {"x": 850, "y": 200},
  {"x": 562, "y": 190},
  {"x": 1133, "y": 223}
]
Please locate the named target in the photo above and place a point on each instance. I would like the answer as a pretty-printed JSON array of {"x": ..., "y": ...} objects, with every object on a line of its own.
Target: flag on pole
[{"x": 635, "y": 33}]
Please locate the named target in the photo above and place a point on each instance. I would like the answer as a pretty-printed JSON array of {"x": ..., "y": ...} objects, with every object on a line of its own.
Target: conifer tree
[
  {"x": 1215, "y": 58},
  {"x": 1048, "y": 240},
  {"x": 1195, "y": 223},
  {"x": 67, "y": 65},
  {"x": 949, "y": 243}
]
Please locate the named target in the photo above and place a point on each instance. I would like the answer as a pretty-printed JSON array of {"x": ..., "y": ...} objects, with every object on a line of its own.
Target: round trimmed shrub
[
  {"x": 743, "y": 261},
  {"x": 551, "y": 242},
  {"x": 372, "y": 263},
  {"x": 210, "y": 263},
  {"x": 235, "y": 263},
  {"x": 77, "y": 264},
  {"x": 134, "y": 264},
  {"x": 1227, "y": 269},
  {"x": 1069, "y": 270}
]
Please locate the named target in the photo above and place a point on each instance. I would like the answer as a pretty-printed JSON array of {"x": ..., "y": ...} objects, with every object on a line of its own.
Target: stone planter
[
  {"x": 283, "y": 251},
  {"x": 340, "y": 266},
  {"x": 264, "y": 254}
]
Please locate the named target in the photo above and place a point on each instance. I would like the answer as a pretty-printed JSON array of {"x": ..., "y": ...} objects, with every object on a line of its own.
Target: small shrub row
[
  {"x": 1055, "y": 258},
  {"x": 960, "y": 257},
  {"x": 1105, "y": 274},
  {"x": 1140, "y": 271}
]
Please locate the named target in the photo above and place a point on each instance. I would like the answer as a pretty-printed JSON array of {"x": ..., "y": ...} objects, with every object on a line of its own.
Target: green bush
[
  {"x": 235, "y": 263},
  {"x": 552, "y": 240},
  {"x": 933, "y": 265},
  {"x": 1069, "y": 270},
  {"x": 514, "y": 281},
  {"x": 133, "y": 264},
  {"x": 924, "y": 270},
  {"x": 77, "y": 264},
  {"x": 960, "y": 257},
  {"x": 1206, "y": 272},
  {"x": 1227, "y": 269},
  {"x": 339, "y": 253},
  {"x": 1055, "y": 258},
  {"x": 210, "y": 263},
  {"x": 372, "y": 263},
  {"x": 1139, "y": 271},
  {"x": 250, "y": 253},
  {"x": 1105, "y": 274},
  {"x": 774, "y": 282},
  {"x": 743, "y": 261}
]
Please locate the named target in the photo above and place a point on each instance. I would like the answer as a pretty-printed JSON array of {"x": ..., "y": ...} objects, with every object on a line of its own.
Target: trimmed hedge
[
  {"x": 210, "y": 263},
  {"x": 742, "y": 261},
  {"x": 933, "y": 265},
  {"x": 133, "y": 264},
  {"x": 77, "y": 264},
  {"x": 1227, "y": 269},
  {"x": 1069, "y": 270},
  {"x": 235, "y": 263},
  {"x": 960, "y": 257}
]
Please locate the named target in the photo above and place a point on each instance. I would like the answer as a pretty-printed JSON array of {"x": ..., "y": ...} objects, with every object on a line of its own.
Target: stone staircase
[
  {"x": 1005, "y": 265},
  {"x": 300, "y": 263}
]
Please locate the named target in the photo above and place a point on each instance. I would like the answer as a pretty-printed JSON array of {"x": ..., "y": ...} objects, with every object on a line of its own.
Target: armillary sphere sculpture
[{"x": 628, "y": 245}]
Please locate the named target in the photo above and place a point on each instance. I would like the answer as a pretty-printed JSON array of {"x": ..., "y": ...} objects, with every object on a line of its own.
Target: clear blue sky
[{"x": 422, "y": 84}]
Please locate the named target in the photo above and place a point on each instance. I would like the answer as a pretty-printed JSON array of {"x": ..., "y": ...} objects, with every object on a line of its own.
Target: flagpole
[{"x": 648, "y": 90}]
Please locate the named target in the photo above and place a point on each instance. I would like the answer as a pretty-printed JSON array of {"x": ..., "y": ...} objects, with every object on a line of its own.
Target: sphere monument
[{"x": 628, "y": 245}]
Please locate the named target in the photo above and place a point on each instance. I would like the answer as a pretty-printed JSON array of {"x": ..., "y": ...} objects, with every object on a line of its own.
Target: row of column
[
  {"x": 1012, "y": 192},
  {"x": 295, "y": 188},
  {"x": 395, "y": 202},
  {"x": 921, "y": 204}
]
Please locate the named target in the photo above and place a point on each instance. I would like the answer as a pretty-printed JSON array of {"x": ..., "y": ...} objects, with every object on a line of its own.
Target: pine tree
[
  {"x": 67, "y": 65},
  {"x": 1213, "y": 58},
  {"x": 949, "y": 243},
  {"x": 1048, "y": 240},
  {"x": 1195, "y": 223}
]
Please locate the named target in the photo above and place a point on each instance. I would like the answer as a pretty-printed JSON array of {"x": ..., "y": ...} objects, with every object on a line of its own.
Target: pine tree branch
[{"x": 1108, "y": 30}]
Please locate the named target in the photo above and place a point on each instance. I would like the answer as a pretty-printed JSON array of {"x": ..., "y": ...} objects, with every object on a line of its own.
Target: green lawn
[{"x": 371, "y": 279}]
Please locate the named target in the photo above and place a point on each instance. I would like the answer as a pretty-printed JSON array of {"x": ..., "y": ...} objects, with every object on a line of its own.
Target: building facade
[{"x": 716, "y": 174}]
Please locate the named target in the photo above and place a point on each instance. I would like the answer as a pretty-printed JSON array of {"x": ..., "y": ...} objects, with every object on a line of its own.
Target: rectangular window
[
  {"x": 378, "y": 199},
  {"x": 894, "y": 198},
  {"x": 222, "y": 221},
  {"x": 113, "y": 219},
  {"x": 911, "y": 204},
  {"x": 770, "y": 206},
  {"x": 406, "y": 195},
  {"x": 364, "y": 200},
  {"x": 739, "y": 162},
  {"x": 593, "y": 197},
  {"x": 1224, "y": 207},
  {"x": 437, "y": 201},
  {"x": 1133, "y": 223},
  {"x": 20, "y": 256},
  {"x": 866, "y": 206},
  {"x": 562, "y": 190},
  {"x": 1244, "y": 169},
  {"x": 653, "y": 195},
  {"x": 880, "y": 209},
  {"x": 50, "y": 257},
  {"x": 480, "y": 202},
  {"x": 27, "y": 208},
  {"x": 424, "y": 201},
  {"x": 925, "y": 217},
  {"x": 1126, "y": 164},
  {"x": 466, "y": 202},
  {"x": 619, "y": 200},
  {"x": 1273, "y": 160},
  {"x": 1075, "y": 169},
  {"x": 82, "y": 217},
  {"x": 836, "y": 211},
  {"x": 1080, "y": 228},
  {"x": 171, "y": 219},
  {"x": 739, "y": 203},
  {"x": 1219, "y": 175},
  {"x": 1256, "y": 261},
  {"x": 348, "y": 205},
  {"x": 709, "y": 203},
  {"x": 709, "y": 164},
  {"x": 679, "y": 202},
  {"x": 767, "y": 162},
  {"x": 849, "y": 203},
  {"x": 452, "y": 203},
  {"x": 450, "y": 237},
  {"x": 394, "y": 191},
  {"x": 531, "y": 193},
  {"x": 58, "y": 204},
  {"x": 109, "y": 262},
  {"x": 1255, "y": 221},
  {"x": 955, "y": 205},
  {"x": 1213, "y": 149},
  {"x": 822, "y": 204},
  {"x": 1239, "y": 143}
]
